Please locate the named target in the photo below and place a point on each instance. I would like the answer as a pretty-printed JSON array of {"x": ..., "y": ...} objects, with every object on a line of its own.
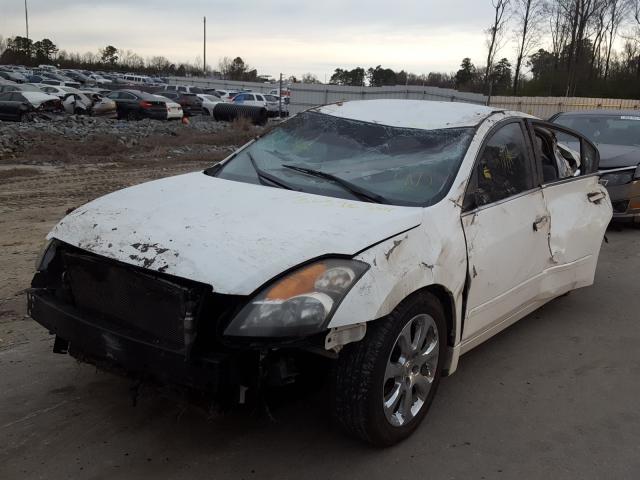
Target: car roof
[
  {"x": 586, "y": 113},
  {"x": 420, "y": 114}
]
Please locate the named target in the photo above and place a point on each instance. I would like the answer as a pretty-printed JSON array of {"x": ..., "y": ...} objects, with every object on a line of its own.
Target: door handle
[
  {"x": 595, "y": 197},
  {"x": 539, "y": 222}
]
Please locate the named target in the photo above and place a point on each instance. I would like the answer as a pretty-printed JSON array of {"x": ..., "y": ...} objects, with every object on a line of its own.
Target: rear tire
[{"x": 381, "y": 389}]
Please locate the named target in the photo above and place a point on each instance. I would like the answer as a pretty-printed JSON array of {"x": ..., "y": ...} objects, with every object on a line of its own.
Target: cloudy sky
[{"x": 274, "y": 36}]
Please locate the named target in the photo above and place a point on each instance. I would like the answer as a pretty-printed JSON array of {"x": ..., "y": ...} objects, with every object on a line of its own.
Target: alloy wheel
[{"x": 410, "y": 370}]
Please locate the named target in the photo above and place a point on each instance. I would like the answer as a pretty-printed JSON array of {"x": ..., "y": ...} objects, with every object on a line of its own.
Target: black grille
[
  {"x": 136, "y": 303},
  {"x": 621, "y": 206}
]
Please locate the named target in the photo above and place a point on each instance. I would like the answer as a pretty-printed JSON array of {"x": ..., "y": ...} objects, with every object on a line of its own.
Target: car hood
[
  {"x": 618, "y": 156},
  {"x": 230, "y": 235},
  {"x": 36, "y": 98}
]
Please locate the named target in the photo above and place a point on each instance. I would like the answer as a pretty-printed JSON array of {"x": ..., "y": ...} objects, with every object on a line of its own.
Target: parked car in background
[
  {"x": 59, "y": 83},
  {"x": 180, "y": 89},
  {"x": 13, "y": 76},
  {"x": 136, "y": 105},
  {"x": 251, "y": 99},
  {"x": 387, "y": 237},
  {"x": 78, "y": 77},
  {"x": 174, "y": 109},
  {"x": 15, "y": 110},
  {"x": 276, "y": 107},
  {"x": 36, "y": 78},
  {"x": 190, "y": 102},
  {"x": 99, "y": 79},
  {"x": 20, "y": 87},
  {"x": 38, "y": 100},
  {"x": 617, "y": 135},
  {"x": 212, "y": 91},
  {"x": 209, "y": 102},
  {"x": 59, "y": 78},
  {"x": 77, "y": 103},
  {"x": 102, "y": 106},
  {"x": 227, "y": 95},
  {"x": 102, "y": 91},
  {"x": 138, "y": 80},
  {"x": 59, "y": 91}
]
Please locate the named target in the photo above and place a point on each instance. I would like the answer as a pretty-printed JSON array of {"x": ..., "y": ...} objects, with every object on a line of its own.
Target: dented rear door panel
[{"x": 580, "y": 211}]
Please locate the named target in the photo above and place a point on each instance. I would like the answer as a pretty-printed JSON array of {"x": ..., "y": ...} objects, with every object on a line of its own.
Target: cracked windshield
[{"x": 338, "y": 157}]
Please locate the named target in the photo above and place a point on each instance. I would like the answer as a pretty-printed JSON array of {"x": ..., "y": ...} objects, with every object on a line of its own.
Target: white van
[{"x": 138, "y": 79}]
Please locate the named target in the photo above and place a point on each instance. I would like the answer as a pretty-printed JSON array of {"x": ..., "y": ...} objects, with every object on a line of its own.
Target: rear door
[
  {"x": 506, "y": 226},
  {"x": 579, "y": 206}
]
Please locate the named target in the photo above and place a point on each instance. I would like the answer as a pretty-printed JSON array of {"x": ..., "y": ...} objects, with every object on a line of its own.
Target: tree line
[
  {"x": 533, "y": 48},
  {"x": 558, "y": 48},
  {"x": 24, "y": 51}
]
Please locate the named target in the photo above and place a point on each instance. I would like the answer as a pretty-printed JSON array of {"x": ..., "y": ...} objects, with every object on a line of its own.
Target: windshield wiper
[
  {"x": 352, "y": 188},
  {"x": 262, "y": 175}
]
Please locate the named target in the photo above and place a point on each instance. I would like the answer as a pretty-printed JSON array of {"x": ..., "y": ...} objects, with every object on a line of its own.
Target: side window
[
  {"x": 259, "y": 98},
  {"x": 127, "y": 96},
  {"x": 249, "y": 97},
  {"x": 114, "y": 95},
  {"x": 503, "y": 168},
  {"x": 561, "y": 154}
]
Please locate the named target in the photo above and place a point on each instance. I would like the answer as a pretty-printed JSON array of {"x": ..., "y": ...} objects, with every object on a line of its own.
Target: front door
[{"x": 506, "y": 225}]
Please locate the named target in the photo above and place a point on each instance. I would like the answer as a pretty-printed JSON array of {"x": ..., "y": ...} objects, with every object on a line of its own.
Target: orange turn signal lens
[
  {"x": 634, "y": 204},
  {"x": 302, "y": 281}
]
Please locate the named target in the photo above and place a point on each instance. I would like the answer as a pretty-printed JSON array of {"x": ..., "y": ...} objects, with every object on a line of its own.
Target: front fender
[{"x": 433, "y": 253}]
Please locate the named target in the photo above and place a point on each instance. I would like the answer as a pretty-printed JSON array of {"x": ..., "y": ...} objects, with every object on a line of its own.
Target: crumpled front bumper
[
  {"x": 626, "y": 201},
  {"x": 116, "y": 351}
]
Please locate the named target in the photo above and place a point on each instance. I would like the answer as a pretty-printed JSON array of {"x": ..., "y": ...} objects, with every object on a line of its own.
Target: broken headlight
[
  {"x": 300, "y": 303},
  {"x": 46, "y": 255},
  {"x": 618, "y": 178}
]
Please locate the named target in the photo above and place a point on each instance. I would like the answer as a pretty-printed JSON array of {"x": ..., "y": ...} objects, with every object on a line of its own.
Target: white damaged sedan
[{"x": 385, "y": 237}]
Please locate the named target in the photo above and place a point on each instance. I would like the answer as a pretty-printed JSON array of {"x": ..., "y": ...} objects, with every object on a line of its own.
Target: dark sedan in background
[
  {"x": 136, "y": 105},
  {"x": 191, "y": 104},
  {"x": 617, "y": 135},
  {"x": 15, "y": 110}
]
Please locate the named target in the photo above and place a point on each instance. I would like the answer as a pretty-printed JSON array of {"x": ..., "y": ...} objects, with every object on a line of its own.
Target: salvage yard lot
[{"x": 554, "y": 396}]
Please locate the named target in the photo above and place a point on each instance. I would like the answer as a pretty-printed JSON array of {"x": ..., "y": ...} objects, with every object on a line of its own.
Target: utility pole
[
  {"x": 26, "y": 17},
  {"x": 280, "y": 99},
  {"x": 204, "y": 61}
]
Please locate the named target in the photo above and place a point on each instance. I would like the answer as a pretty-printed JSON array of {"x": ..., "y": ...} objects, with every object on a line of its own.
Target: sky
[{"x": 292, "y": 37}]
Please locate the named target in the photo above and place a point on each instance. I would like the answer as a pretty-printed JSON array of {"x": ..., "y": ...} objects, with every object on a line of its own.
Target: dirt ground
[
  {"x": 53, "y": 174},
  {"x": 553, "y": 397}
]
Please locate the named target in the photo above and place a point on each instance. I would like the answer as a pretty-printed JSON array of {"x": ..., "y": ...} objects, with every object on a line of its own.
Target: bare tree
[
  {"x": 580, "y": 15},
  {"x": 529, "y": 16},
  {"x": 555, "y": 11},
  {"x": 617, "y": 11},
  {"x": 495, "y": 36}
]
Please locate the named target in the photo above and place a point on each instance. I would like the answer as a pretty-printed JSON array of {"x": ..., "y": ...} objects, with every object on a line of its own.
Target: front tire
[{"x": 384, "y": 385}]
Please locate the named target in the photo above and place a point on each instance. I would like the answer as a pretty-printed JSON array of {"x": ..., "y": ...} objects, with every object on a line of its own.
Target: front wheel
[{"x": 383, "y": 386}]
